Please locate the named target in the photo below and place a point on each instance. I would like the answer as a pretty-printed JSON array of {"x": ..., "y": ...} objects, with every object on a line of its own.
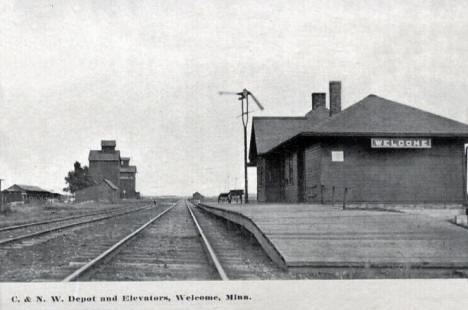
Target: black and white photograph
[{"x": 250, "y": 151}]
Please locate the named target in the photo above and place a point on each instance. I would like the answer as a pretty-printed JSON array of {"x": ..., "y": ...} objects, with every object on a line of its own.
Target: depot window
[{"x": 337, "y": 156}]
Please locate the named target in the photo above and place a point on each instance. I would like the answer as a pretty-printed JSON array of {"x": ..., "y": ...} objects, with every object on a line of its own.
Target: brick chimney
[
  {"x": 318, "y": 100},
  {"x": 335, "y": 97}
]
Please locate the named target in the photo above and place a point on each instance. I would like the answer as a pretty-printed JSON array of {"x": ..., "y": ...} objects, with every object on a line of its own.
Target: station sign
[{"x": 401, "y": 143}]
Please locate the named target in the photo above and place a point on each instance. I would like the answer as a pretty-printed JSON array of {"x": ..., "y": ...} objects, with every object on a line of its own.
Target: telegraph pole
[{"x": 245, "y": 121}]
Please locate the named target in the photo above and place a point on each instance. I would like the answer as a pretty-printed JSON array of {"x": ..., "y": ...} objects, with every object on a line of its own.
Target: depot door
[{"x": 300, "y": 176}]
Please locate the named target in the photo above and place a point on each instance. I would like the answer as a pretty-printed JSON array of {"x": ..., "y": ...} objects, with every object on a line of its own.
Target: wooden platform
[{"x": 304, "y": 235}]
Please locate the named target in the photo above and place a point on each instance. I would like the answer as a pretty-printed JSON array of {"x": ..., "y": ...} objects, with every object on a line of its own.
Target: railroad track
[
  {"x": 238, "y": 251},
  {"x": 59, "y": 219},
  {"x": 164, "y": 248},
  {"x": 33, "y": 230},
  {"x": 207, "y": 245},
  {"x": 53, "y": 256},
  {"x": 176, "y": 242}
]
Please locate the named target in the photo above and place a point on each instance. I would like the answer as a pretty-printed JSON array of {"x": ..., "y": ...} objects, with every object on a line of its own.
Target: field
[{"x": 35, "y": 211}]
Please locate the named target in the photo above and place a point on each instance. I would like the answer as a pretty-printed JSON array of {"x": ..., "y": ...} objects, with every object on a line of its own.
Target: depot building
[{"x": 375, "y": 151}]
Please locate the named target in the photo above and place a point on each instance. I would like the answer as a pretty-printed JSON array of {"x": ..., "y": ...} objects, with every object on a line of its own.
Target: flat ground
[
  {"x": 326, "y": 236},
  {"x": 33, "y": 212}
]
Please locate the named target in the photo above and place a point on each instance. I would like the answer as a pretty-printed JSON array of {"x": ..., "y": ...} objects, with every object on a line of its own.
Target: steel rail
[
  {"x": 112, "y": 249},
  {"x": 211, "y": 253},
  {"x": 46, "y": 231},
  {"x": 61, "y": 219}
]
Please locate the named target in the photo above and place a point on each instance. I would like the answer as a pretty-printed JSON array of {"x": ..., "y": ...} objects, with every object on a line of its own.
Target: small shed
[{"x": 105, "y": 191}]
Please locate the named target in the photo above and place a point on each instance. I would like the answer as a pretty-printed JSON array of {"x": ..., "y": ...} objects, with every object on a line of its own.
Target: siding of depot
[
  {"x": 313, "y": 158},
  {"x": 274, "y": 179},
  {"x": 394, "y": 175},
  {"x": 290, "y": 177},
  {"x": 261, "y": 179}
]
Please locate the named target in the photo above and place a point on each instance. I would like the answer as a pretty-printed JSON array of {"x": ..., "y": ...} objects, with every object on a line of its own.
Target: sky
[{"x": 147, "y": 74}]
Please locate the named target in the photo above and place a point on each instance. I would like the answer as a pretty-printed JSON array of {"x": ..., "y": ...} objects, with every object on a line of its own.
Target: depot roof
[{"x": 371, "y": 116}]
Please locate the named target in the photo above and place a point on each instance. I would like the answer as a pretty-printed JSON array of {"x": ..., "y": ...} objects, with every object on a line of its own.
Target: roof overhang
[
  {"x": 383, "y": 134},
  {"x": 303, "y": 135}
]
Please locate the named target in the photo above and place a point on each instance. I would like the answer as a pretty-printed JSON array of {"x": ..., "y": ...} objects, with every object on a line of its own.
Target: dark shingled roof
[
  {"x": 128, "y": 169},
  {"x": 25, "y": 188},
  {"x": 268, "y": 132},
  {"x": 103, "y": 156},
  {"x": 372, "y": 116},
  {"x": 375, "y": 115}
]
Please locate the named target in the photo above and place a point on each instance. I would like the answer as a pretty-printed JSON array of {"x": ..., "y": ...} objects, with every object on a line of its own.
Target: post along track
[
  {"x": 183, "y": 255},
  {"x": 56, "y": 228}
]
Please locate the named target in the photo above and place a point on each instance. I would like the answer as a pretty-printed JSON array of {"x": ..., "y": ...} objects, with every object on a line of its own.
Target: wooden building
[
  {"x": 376, "y": 150},
  {"x": 127, "y": 179},
  {"x": 104, "y": 191},
  {"x": 27, "y": 193},
  {"x": 105, "y": 163}
]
